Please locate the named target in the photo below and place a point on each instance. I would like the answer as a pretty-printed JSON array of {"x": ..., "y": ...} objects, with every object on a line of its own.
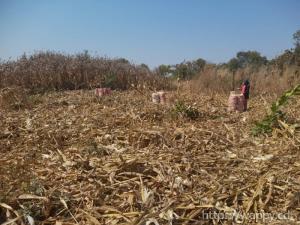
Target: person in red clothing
[{"x": 246, "y": 92}]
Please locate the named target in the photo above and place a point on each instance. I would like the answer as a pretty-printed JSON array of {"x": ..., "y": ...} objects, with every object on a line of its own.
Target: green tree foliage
[
  {"x": 233, "y": 65},
  {"x": 200, "y": 63},
  {"x": 122, "y": 60},
  {"x": 244, "y": 59},
  {"x": 296, "y": 38},
  {"x": 184, "y": 70},
  {"x": 286, "y": 58},
  {"x": 144, "y": 66},
  {"x": 250, "y": 58},
  {"x": 163, "y": 70}
]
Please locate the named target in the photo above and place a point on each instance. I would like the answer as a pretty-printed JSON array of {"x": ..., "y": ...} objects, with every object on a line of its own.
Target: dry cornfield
[
  {"x": 51, "y": 71},
  {"x": 71, "y": 158}
]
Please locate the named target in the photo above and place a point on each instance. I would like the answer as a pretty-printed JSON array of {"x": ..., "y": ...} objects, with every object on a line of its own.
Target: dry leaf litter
[{"x": 72, "y": 158}]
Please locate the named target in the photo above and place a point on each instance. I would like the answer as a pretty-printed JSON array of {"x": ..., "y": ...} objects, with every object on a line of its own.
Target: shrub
[
  {"x": 272, "y": 119},
  {"x": 184, "y": 110}
]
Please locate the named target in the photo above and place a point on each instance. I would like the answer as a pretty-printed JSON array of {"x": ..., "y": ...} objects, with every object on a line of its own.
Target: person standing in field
[{"x": 246, "y": 92}]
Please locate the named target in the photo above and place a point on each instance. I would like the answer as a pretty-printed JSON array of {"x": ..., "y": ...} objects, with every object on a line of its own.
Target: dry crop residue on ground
[{"x": 75, "y": 159}]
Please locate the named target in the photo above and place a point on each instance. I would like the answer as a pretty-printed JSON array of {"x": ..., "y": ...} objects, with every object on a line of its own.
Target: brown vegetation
[
  {"x": 13, "y": 98},
  {"x": 77, "y": 159},
  {"x": 48, "y": 71},
  {"x": 70, "y": 157},
  {"x": 267, "y": 79}
]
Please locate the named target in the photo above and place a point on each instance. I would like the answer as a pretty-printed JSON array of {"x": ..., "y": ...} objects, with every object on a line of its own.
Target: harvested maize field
[{"x": 72, "y": 158}]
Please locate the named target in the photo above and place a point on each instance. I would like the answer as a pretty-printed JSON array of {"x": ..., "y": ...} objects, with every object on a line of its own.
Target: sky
[{"x": 148, "y": 31}]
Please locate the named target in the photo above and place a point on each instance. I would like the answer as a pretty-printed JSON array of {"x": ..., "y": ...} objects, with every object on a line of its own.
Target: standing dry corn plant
[{"x": 46, "y": 71}]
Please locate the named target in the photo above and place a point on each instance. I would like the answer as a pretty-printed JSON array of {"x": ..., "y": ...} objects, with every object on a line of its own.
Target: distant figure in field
[{"x": 246, "y": 92}]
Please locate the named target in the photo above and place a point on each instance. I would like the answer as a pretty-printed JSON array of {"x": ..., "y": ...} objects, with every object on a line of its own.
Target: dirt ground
[{"x": 71, "y": 158}]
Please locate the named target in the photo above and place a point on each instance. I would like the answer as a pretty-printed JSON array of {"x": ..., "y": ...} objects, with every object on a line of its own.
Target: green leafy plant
[
  {"x": 111, "y": 80},
  {"x": 184, "y": 110},
  {"x": 272, "y": 119}
]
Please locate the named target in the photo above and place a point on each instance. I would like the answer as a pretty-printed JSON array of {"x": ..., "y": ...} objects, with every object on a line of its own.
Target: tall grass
[{"x": 265, "y": 79}]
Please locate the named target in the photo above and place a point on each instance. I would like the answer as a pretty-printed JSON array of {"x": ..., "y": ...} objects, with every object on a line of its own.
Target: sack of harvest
[
  {"x": 155, "y": 97},
  {"x": 99, "y": 92},
  {"x": 236, "y": 102},
  {"x": 163, "y": 97},
  {"x": 107, "y": 91},
  {"x": 159, "y": 97}
]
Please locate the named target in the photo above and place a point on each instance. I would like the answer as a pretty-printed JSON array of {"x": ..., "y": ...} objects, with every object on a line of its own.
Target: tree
[
  {"x": 188, "y": 69},
  {"x": 284, "y": 59},
  {"x": 182, "y": 71},
  {"x": 233, "y": 65},
  {"x": 123, "y": 60},
  {"x": 163, "y": 70},
  {"x": 296, "y": 38},
  {"x": 200, "y": 63},
  {"x": 145, "y": 66},
  {"x": 251, "y": 58}
]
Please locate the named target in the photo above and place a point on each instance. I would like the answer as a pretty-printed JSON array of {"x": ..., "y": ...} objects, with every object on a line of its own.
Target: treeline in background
[
  {"x": 266, "y": 76},
  {"x": 46, "y": 71}
]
